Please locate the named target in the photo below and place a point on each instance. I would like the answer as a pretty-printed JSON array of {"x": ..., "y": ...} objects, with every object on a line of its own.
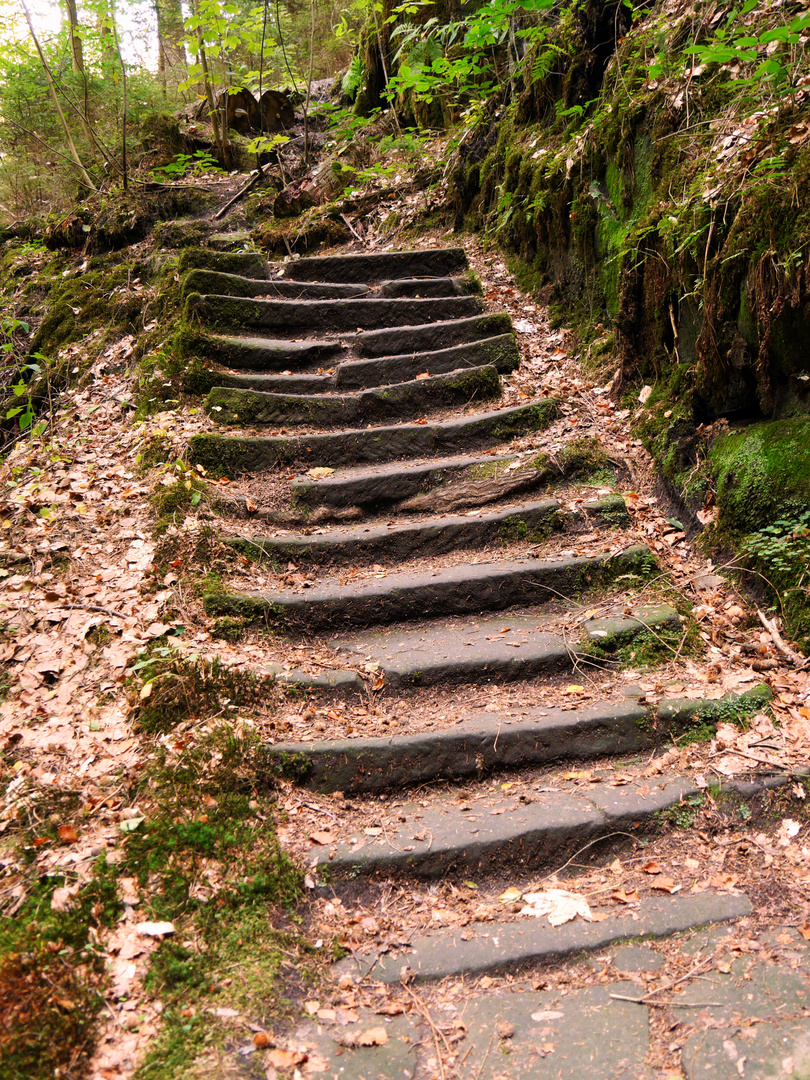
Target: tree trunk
[
  {"x": 171, "y": 44},
  {"x": 74, "y": 36}
]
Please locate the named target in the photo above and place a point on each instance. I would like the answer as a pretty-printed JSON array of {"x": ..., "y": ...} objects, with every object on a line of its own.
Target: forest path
[{"x": 438, "y": 528}]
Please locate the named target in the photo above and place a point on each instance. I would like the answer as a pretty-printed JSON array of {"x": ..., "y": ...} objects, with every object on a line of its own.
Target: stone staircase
[{"x": 363, "y": 391}]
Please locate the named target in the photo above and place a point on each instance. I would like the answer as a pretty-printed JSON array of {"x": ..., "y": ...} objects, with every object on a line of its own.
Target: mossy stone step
[
  {"x": 242, "y": 263},
  {"x": 455, "y": 835},
  {"x": 473, "y": 747},
  {"x": 262, "y": 354},
  {"x": 429, "y": 336},
  {"x": 500, "y": 649},
  {"x": 386, "y": 484},
  {"x": 231, "y": 455},
  {"x": 455, "y": 590},
  {"x": 506, "y": 946},
  {"x": 248, "y": 407},
  {"x": 424, "y": 287},
  {"x": 502, "y": 352},
  {"x": 436, "y": 536},
  {"x": 377, "y": 266},
  {"x": 213, "y": 282},
  {"x": 331, "y": 316}
]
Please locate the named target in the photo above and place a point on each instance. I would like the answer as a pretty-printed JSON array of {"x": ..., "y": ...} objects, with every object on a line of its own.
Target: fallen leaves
[{"x": 558, "y": 905}]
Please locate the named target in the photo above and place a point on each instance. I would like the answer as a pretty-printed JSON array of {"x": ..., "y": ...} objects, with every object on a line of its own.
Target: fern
[{"x": 354, "y": 78}]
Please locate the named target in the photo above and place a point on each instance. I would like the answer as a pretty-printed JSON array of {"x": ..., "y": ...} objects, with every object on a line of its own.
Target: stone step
[
  {"x": 492, "y": 947},
  {"x": 500, "y": 649},
  {"x": 454, "y": 590},
  {"x": 429, "y": 336},
  {"x": 457, "y": 835},
  {"x": 475, "y": 747},
  {"x": 377, "y": 266},
  {"x": 229, "y": 405},
  {"x": 386, "y": 484},
  {"x": 263, "y": 354},
  {"x": 424, "y": 287},
  {"x": 502, "y": 352},
  {"x": 231, "y": 455},
  {"x": 331, "y": 316},
  {"x": 216, "y": 283},
  {"x": 257, "y": 353},
  {"x": 435, "y": 536}
]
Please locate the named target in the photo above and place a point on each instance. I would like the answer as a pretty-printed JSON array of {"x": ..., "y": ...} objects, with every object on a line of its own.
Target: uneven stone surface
[
  {"x": 374, "y": 267},
  {"x": 450, "y": 836},
  {"x": 492, "y": 947},
  {"x": 250, "y": 407},
  {"x": 454, "y": 590},
  {"x": 234, "y": 454}
]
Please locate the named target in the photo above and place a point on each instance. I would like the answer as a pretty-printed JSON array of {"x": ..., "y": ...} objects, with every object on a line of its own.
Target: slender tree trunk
[
  {"x": 309, "y": 79},
  {"x": 171, "y": 42},
  {"x": 85, "y": 175},
  {"x": 74, "y": 33},
  {"x": 219, "y": 136}
]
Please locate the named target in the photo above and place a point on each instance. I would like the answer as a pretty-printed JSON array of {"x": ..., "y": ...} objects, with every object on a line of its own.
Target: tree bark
[
  {"x": 171, "y": 43},
  {"x": 74, "y": 35}
]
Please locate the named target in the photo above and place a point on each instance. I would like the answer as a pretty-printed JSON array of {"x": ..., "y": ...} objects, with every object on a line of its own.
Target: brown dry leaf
[
  {"x": 559, "y": 905},
  {"x": 286, "y": 1059},
  {"x": 68, "y": 834},
  {"x": 622, "y": 896},
  {"x": 652, "y": 867},
  {"x": 377, "y": 1036},
  {"x": 664, "y": 884},
  {"x": 261, "y": 1040},
  {"x": 63, "y": 897},
  {"x": 320, "y": 472},
  {"x": 805, "y": 931},
  {"x": 322, "y": 836}
]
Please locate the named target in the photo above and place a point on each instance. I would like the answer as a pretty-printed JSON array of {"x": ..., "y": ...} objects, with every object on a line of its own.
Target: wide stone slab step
[
  {"x": 502, "y": 352},
  {"x": 232, "y": 455},
  {"x": 377, "y": 266},
  {"x": 264, "y": 354},
  {"x": 230, "y": 405},
  {"x": 425, "y": 287},
  {"x": 213, "y": 282},
  {"x": 456, "y": 835},
  {"x": 488, "y": 741},
  {"x": 455, "y": 590},
  {"x": 386, "y": 484},
  {"x": 415, "y": 339},
  {"x": 364, "y": 543},
  {"x": 506, "y": 947},
  {"x": 332, "y": 316},
  {"x": 498, "y": 649}
]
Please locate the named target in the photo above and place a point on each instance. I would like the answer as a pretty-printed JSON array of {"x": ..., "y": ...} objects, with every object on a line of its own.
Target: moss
[
  {"x": 761, "y": 472},
  {"x": 583, "y": 457},
  {"x": 244, "y": 263}
]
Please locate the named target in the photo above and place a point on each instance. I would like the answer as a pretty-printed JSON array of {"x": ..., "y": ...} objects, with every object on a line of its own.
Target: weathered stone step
[
  {"x": 377, "y": 266},
  {"x": 232, "y": 454},
  {"x": 506, "y": 946},
  {"x": 501, "y": 649},
  {"x": 473, "y": 747},
  {"x": 248, "y": 407},
  {"x": 502, "y": 352},
  {"x": 435, "y": 536},
  {"x": 385, "y": 484},
  {"x": 455, "y": 590},
  {"x": 215, "y": 283},
  {"x": 459, "y": 835},
  {"x": 263, "y": 354},
  {"x": 424, "y": 287},
  {"x": 331, "y": 316},
  {"x": 416, "y": 339},
  {"x": 259, "y": 353}
]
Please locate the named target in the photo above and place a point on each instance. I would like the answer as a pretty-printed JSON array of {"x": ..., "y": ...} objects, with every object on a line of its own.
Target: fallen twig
[{"x": 781, "y": 645}]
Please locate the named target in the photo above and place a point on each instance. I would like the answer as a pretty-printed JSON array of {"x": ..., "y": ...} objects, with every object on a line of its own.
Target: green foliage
[{"x": 201, "y": 161}]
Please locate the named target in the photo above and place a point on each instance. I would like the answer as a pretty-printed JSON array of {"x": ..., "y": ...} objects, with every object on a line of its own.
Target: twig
[
  {"x": 318, "y": 809},
  {"x": 258, "y": 175},
  {"x": 435, "y": 1032},
  {"x": 670, "y": 986},
  {"x": 93, "y": 607},
  {"x": 484, "y": 1058},
  {"x": 666, "y": 1004},
  {"x": 351, "y": 228},
  {"x": 779, "y": 642}
]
